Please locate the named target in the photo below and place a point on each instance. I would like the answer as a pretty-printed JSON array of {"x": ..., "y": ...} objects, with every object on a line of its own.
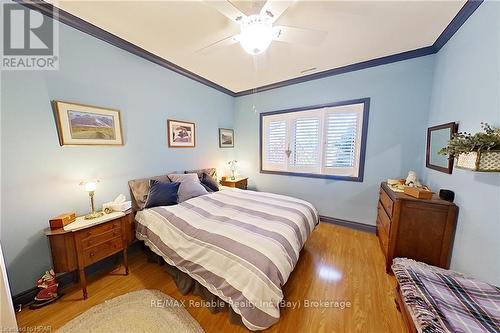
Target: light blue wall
[
  {"x": 40, "y": 178},
  {"x": 466, "y": 89},
  {"x": 400, "y": 94}
]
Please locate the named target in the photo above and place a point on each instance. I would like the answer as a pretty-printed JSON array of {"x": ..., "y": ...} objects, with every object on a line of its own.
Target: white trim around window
[{"x": 321, "y": 141}]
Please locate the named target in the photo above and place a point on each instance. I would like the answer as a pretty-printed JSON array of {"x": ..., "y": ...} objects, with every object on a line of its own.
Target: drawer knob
[
  {"x": 89, "y": 234},
  {"x": 92, "y": 254}
]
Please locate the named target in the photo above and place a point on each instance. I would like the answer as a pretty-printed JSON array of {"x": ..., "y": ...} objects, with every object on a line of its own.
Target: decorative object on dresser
[
  {"x": 118, "y": 205},
  {"x": 226, "y": 138},
  {"x": 478, "y": 152},
  {"x": 85, "y": 242},
  {"x": 62, "y": 220},
  {"x": 181, "y": 134},
  {"x": 419, "y": 193},
  {"x": 415, "y": 228},
  {"x": 437, "y": 138},
  {"x": 79, "y": 124},
  {"x": 238, "y": 182}
]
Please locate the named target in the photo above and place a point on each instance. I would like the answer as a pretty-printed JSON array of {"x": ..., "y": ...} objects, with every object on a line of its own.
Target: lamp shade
[{"x": 90, "y": 186}]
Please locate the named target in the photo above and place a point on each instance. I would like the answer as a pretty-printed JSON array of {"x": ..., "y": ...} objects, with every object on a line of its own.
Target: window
[{"x": 324, "y": 141}]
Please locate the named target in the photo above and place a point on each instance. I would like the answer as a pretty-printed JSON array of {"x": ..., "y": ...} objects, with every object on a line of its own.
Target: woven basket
[{"x": 487, "y": 161}]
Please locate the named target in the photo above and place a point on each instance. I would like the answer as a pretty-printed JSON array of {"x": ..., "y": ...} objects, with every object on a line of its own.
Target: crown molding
[{"x": 73, "y": 21}]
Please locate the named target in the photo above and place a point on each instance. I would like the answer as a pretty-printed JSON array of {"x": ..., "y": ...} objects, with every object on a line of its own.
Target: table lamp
[
  {"x": 90, "y": 187},
  {"x": 232, "y": 166}
]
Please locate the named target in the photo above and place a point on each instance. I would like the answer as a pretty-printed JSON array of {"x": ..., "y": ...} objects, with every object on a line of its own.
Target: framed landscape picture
[
  {"x": 181, "y": 134},
  {"x": 79, "y": 124},
  {"x": 226, "y": 138}
]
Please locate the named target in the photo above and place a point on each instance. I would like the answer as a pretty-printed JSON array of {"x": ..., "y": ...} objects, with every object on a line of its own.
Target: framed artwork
[
  {"x": 79, "y": 124},
  {"x": 181, "y": 134},
  {"x": 226, "y": 138}
]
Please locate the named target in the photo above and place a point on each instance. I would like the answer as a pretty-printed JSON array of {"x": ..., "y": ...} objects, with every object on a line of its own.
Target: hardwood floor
[{"x": 336, "y": 264}]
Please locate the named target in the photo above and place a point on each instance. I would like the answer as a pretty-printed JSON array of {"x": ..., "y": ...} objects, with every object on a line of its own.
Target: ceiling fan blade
[
  {"x": 227, "y": 9},
  {"x": 221, "y": 43},
  {"x": 298, "y": 35},
  {"x": 275, "y": 8}
]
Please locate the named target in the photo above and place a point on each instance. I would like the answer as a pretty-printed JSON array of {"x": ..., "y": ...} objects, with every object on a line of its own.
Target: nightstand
[
  {"x": 239, "y": 182},
  {"x": 85, "y": 242}
]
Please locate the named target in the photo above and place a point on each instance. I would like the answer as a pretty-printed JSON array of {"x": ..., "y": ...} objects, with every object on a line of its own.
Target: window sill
[{"x": 358, "y": 179}]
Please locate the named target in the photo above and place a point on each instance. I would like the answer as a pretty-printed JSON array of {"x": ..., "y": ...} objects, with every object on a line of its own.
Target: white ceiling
[{"x": 357, "y": 31}]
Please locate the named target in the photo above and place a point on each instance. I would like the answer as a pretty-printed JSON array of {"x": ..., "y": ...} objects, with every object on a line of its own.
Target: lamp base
[{"x": 93, "y": 215}]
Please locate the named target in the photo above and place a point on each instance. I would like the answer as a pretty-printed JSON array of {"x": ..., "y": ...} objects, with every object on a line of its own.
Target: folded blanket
[{"x": 443, "y": 301}]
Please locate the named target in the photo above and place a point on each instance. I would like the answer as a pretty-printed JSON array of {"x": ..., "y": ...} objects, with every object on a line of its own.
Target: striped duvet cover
[{"x": 240, "y": 245}]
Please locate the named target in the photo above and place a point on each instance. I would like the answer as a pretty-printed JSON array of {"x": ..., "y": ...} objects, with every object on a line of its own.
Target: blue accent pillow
[
  {"x": 209, "y": 183},
  {"x": 161, "y": 194}
]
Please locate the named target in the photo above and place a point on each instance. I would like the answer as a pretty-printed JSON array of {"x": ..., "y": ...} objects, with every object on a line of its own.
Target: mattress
[{"x": 241, "y": 245}]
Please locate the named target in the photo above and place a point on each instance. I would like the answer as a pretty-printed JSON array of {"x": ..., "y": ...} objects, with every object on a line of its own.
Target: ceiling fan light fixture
[{"x": 256, "y": 34}]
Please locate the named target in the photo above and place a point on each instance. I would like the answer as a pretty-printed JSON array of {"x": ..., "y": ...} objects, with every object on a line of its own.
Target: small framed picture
[
  {"x": 226, "y": 138},
  {"x": 79, "y": 124},
  {"x": 181, "y": 134}
]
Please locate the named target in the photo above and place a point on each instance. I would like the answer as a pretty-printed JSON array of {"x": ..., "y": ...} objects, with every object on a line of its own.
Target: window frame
[{"x": 364, "y": 133}]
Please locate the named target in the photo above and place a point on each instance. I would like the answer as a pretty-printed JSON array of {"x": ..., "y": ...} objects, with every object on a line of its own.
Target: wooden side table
[
  {"x": 239, "y": 182},
  {"x": 91, "y": 241}
]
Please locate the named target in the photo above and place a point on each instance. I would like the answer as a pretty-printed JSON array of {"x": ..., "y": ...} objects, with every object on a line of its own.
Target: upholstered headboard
[{"x": 139, "y": 188}]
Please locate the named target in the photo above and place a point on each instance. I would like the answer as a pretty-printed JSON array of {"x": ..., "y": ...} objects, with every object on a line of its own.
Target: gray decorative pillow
[
  {"x": 212, "y": 172},
  {"x": 181, "y": 177},
  {"x": 190, "y": 189},
  {"x": 190, "y": 185}
]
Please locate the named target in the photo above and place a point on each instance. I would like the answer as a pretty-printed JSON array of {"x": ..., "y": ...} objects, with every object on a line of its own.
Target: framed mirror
[{"x": 437, "y": 138}]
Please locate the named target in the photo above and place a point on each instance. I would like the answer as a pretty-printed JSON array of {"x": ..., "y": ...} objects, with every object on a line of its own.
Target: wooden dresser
[
  {"x": 414, "y": 228},
  {"x": 78, "y": 249}
]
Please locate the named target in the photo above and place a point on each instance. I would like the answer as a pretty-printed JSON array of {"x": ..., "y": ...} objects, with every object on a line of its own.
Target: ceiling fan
[{"x": 258, "y": 29}]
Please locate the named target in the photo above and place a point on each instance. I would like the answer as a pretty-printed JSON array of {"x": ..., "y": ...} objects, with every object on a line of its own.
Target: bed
[
  {"x": 239, "y": 245},
  {"x": 435, "y": 300}
]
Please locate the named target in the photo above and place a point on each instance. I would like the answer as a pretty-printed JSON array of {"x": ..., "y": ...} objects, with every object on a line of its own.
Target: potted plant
[{"x": 478, "y": 152}]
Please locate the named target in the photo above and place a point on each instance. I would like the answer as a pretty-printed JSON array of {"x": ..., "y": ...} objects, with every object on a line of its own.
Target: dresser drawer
[
  {"x": 386, "y": 202},
  {"x": 100, "y": 229},
  {"x": 101, "y": 251},
  {"x": 385, "y": 221},
  {"x": 100, "y": 238},
  {"x": 382, "y": 236}
]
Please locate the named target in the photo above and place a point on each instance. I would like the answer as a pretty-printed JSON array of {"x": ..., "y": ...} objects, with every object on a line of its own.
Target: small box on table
[{"x": 62, "y": 220}]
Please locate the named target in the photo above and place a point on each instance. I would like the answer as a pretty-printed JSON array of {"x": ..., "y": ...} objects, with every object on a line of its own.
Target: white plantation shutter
[
  {"x": 321, "y": 142},
  {"x": 340, "y": 140},
  {"x": 276, "y": 142},
  {"x": 305, "y": 147}
]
